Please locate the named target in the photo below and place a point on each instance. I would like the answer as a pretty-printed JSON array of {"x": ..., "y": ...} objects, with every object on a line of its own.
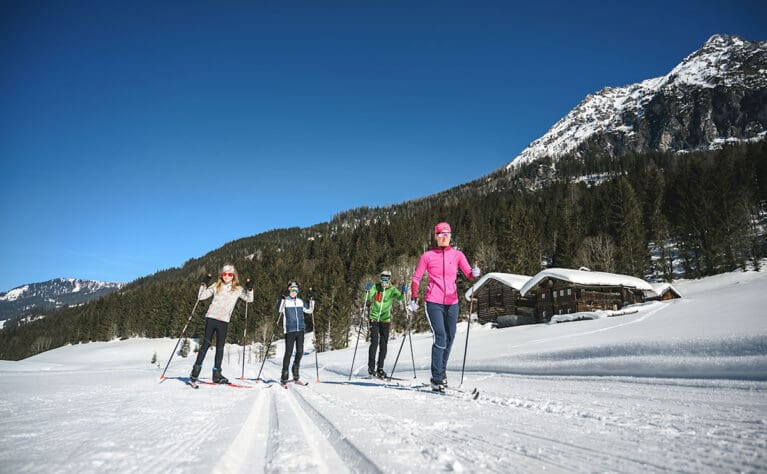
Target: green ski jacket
[{"x": 382, "y": 299}]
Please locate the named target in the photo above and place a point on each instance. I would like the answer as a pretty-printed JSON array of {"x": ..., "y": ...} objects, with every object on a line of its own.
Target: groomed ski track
[
  {"x": 285, "y": 433},
  {"x": 520, "y": 423},
  {"x": 367, "y": 425}
]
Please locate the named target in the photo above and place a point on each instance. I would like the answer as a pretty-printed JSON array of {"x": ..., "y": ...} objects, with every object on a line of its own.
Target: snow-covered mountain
[
  {"x": 36, "y": 298},
  {"x": 718, "y": 94}
]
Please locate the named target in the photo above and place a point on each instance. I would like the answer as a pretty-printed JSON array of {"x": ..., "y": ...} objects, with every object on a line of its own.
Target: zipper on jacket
[{"x": 444, "y": 281}]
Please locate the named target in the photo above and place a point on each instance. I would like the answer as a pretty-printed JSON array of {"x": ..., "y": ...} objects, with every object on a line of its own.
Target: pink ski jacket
[{"x": 442, "y": 266}]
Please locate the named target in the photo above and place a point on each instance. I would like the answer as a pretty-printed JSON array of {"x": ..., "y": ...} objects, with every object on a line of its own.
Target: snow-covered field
[{"x": 679, "y": 386}]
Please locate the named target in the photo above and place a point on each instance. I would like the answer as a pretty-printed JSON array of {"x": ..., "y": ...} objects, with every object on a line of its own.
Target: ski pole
[
  {"x": 404, "y": 336},
  {"x": 244, "y": 333},
  {"x": 314, "y": 328},
  {"x": 268, "y": 347},
  {"x": 263, "y": 361},
  {"x": 359, "y": 330},
  {"x": 179, "y": 340},
  {"x": 468, "y": 326},
  {"x": 412, "y": 355}
]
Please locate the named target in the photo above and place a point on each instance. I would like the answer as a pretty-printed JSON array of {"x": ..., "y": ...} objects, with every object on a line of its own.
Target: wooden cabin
[
  {"x": 662, "y": 292},
  {"x": 563, "y": 291},
  {"x": 497, "y": 294}
]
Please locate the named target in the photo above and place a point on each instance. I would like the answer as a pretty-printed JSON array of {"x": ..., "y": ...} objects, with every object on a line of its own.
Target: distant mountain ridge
[
  {"x": 716, "y": 95},
  {"x": 36, "y": 298}
]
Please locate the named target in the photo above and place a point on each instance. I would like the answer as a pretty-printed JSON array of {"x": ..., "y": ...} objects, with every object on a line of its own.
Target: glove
[
  {"x": 475, "y": 271},
  {"x": 249, "y": 284},
  {"x": 285, "y": 294},
  {"x": 206, "y": 279},
  {"x": 310, "y": 294},
  {"x": 368, "y": 286},
  {"x": 403, "y": 289},
  {"x": 413, "y": 306}
]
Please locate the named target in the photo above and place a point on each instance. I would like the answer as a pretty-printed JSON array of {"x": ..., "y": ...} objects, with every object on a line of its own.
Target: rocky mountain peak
[
  {"x": 36, "y": 298},
  {"x": 717, "y": 94}
]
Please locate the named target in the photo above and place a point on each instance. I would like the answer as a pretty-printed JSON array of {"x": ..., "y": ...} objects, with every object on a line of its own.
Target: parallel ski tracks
[
  {"x": 352, "y": 457},
  {"x": 301, "y": 434},
  {"x": 290, "y": 435}
]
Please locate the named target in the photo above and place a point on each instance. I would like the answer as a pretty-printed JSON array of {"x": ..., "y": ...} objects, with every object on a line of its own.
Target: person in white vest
[
  {"x": 225, "y": 292},
  {"x": 292, "y": 309}
]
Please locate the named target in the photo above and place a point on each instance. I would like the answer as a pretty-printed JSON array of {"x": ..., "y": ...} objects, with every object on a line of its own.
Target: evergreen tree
[
  {"x": 626, "y": 220},
  {"x": 657, "y": 225},
  {"x": 523, "y": 240}
]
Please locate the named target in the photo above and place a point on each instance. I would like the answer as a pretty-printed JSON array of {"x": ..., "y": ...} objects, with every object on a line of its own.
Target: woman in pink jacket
[{"x": 441, "y": 263}]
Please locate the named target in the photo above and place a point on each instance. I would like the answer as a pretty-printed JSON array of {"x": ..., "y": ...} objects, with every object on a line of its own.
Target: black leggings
[
  {"x": 213, "y": 326},
  {"x": 379, "y": 337},
  {"x": 297, "y": 339}
]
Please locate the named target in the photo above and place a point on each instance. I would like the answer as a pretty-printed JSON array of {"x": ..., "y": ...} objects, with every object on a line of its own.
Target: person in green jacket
[{"x": 379, "y": 299}]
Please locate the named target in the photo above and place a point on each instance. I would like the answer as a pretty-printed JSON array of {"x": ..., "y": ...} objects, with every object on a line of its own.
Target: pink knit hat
[{"x": 442, "y": 227}]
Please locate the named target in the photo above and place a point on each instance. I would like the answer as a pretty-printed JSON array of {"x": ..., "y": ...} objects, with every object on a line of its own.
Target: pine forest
[{"x": 658, "y": 216}]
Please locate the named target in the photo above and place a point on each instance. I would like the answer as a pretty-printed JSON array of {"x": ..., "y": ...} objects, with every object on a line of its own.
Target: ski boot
[
  {"x": 195, "y": 373},
  {"x": 371, "y": 372},
  {"x": 437, "y": 387},
  {"x": 381, "y": 374},
  {"x": 444, "y": 382},
  {"x": 218, "y": 377}
]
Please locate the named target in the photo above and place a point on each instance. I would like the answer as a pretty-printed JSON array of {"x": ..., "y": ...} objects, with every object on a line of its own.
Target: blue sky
[{"x": 137, "y": 135}]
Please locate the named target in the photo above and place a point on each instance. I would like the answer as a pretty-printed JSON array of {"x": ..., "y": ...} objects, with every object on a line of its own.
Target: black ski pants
[
  {"x": 379, "y": 339},
  {"x": 292, "y": 339},
  {"x": 217, "y": 328}
]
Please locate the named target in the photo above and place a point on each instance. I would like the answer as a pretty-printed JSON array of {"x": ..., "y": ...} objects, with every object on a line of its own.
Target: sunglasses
[
  {"x": 227, "y": 274},
  {"x": 294, "y": 290},
  {"x": 386, "y": 279},
  {"x": 443, "y": 234}
]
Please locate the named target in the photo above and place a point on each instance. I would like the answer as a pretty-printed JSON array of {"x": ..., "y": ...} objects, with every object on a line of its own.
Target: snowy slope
[{"x": 678, "y": 386}]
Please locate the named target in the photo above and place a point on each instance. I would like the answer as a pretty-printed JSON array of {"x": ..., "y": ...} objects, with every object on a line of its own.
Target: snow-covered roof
[
  {"x": 585, "y": 277},
  {"x": 508, "y": 279},
  {"x": 658, "y": 289}
]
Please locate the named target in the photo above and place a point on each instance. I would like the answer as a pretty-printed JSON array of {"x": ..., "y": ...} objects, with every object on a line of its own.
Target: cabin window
[
  {"x": 569, "y": 292},
  {"x": 543, "y": 296},
  {"x": 496, "y": 300},
  {"x": 561, "y": 292},
  {"x": 555, "y": 294}
]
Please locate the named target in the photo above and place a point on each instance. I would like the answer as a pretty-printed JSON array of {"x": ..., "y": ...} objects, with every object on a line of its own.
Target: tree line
[{"x": 641, "y": 215}]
